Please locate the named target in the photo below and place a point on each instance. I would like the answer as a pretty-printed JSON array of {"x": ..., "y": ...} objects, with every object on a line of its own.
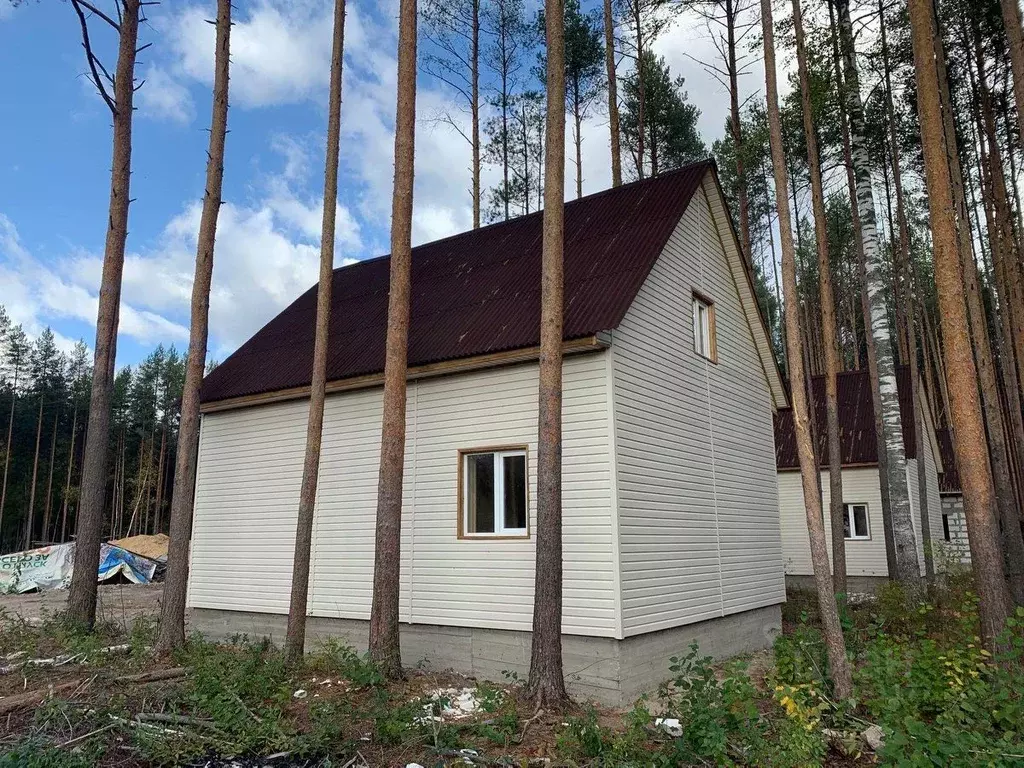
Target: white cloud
[
  {"x": 267, "y": 253},
  {"x": 280, "y": 52},
  {"x": 162, "y": 97},
  {"x": 37, "y": 294}
]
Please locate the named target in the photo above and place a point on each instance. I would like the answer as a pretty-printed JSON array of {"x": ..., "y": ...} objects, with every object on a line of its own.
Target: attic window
[
  {"x": 493, "y": 498},
  {"x": 855, "y": 524},
  {"x": 704, "y": 327}
]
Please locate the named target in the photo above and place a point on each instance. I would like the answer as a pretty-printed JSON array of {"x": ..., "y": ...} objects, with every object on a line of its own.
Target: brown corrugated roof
[
  {"x": 949, "y": 478},
  {"x": 474, "y": 293},
  {"x": 856, "y": 421}
]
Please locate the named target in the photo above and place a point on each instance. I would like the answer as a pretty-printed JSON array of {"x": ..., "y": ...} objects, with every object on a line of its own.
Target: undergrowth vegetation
[{"x": 923, "y": 684}]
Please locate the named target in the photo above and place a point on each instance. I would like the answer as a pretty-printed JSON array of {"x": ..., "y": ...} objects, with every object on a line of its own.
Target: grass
[{"x": 920, "y": 675}]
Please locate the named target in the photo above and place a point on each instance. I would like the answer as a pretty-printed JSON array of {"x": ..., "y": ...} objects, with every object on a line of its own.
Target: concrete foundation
[
  {"x": 854, "y": 584},
  {"x": 610, "y": 671}
]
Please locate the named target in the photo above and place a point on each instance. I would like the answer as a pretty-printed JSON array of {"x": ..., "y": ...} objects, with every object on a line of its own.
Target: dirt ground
[{"x": 118, "y": 603}]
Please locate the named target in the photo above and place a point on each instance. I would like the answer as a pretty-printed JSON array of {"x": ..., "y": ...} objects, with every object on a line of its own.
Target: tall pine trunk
[
  {"x": 828, "y": 318},
  {"x": 161, "y": 481},
  {"x": 82, "y": 596},
  {"x": 474, "y": 108},
  {"x": 1007, "y": 501},
  {"x": 7, "y": 454},
  {"x": 547, "y": 680},
  {"x": 1015, "y": 38},
  {"x": 968, "y": 427},
  {"x": 834, "y": 643},
  {"x": 640, "y": 91},
  {"x": 296, "y": 637},
  {"x": 49, "y": 479},
  {"x": 35, "y": 473},
  {"x": 735, "y": 125},
  {"x": 67, "y": 480},
  {"x": 613, "y": 98},
  {"x": 172, "y": 613},
  {"x": 384, "y": 638},
  {"x": 908, "y": 568}
]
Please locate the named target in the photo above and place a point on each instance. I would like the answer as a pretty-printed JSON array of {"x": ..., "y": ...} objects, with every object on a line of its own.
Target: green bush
[{"x": 336, "y": 658}]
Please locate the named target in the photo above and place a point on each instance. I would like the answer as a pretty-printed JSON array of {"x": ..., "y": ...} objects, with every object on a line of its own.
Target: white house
[
  {"x": 671, "y": 523},
  {"x": 862, "y": 501}
]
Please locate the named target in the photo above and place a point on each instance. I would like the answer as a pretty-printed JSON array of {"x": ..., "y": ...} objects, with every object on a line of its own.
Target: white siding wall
[
  {"x": 860, "y": 486},
  {"x": 247, "y": 496},
  {"x": 697, "y": 497}
]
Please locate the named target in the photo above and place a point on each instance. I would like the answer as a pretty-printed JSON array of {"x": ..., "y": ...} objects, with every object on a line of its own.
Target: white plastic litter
[
  {"x": 299, "y": 694},
  {"x": 449, "y": 704},
  {"x": 669, "y": 725},
  {"x": 413, "y": 765}
]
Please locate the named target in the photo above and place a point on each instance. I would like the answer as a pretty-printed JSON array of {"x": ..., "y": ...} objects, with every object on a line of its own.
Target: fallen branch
[
  {"x": 154, "y": 676},
  {"x": 39, "y": 695},
  {"x": 89, "y": 735},
  {"x": 169, "y": 719},
  {"x": 58, "y": 661}
]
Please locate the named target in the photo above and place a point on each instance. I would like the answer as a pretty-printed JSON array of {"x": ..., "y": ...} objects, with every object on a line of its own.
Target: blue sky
[{"x": 55, "y": 158}]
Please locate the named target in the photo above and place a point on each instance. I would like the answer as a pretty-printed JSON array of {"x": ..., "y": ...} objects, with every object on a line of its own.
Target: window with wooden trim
[
  {"x": 855, "y": 523},
  {"x": 704, "y": 327},
  {"x": 493, "y": 493}
]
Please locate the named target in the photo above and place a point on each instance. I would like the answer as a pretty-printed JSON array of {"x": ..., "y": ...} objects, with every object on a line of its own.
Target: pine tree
[
  {"x": 172, "y": 616},
  {"x": 832, "y": 630},
  {"x": 965, "y": 412},
  {"x": 384, "y": 638},
  {"x": 547, "y": 680},
  {"x": 82, "y": 596}
]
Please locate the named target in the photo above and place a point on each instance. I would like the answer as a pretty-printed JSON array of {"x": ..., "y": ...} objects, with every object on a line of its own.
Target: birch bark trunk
[
  {"x": 908, "y": 568},
  {"x": 869, "y": 339}
]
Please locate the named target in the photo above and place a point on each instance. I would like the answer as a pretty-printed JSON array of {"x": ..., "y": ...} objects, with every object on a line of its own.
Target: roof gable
[
  {"x": 858, "y": 444},
  {"x": 474, "y": 293}
]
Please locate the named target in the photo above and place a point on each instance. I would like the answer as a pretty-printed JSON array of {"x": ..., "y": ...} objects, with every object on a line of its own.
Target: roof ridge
[{"x": 707, "y": 162}]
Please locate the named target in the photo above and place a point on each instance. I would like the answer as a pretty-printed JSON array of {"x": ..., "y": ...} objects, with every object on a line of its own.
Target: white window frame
[
  {"x": 500, "y": 531},
  {"x": 704, "y": 331},
  {"x": 850, "y": 521}
]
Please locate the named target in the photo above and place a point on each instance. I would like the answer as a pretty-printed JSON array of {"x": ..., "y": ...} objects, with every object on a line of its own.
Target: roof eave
[{"x": 592, "y": 343}]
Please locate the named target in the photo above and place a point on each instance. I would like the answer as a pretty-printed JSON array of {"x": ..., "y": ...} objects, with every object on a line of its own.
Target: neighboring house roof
[
  {"x": 476, "y": 293},
  {"x": 856, "y": 421},
  {"x": 949, "y": 478}
]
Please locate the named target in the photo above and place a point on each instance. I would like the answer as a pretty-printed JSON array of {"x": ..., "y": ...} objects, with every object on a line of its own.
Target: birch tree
[
  {"x": 904, "y": 540},
  {"x": 384, "y": 638},
  {"x": 172, "y": 614},
  {"x": 547, "y": 680},
  {"x": 119, "y": 99},
  {"x": 965, "y": 411},
  {"x": 834, "y": 643}
]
